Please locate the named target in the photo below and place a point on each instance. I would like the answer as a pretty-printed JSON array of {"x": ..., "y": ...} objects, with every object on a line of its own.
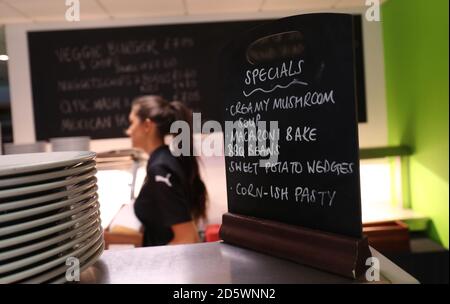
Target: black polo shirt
[{"x": 164, "y": 198}]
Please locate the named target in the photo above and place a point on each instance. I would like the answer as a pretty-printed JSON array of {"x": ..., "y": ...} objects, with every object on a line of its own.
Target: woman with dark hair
[{"x": 173, "y": 196}]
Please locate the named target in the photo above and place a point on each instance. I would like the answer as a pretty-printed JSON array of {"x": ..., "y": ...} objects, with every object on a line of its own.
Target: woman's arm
[{"x": 184, "y": 233}]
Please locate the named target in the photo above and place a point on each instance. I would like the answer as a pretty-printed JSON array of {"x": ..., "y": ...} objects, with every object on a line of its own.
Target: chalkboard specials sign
[
  {"x": 291, "y": 142},
  {"x": 83, "y": 81},
  {"x": 299, "y": 73}
]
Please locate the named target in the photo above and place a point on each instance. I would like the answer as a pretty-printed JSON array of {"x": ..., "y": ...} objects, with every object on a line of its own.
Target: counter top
[{"x": 215, "y": 263}]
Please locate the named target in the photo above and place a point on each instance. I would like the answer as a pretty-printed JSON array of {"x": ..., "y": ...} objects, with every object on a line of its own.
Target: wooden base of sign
[{"x": 334, "y": 253}]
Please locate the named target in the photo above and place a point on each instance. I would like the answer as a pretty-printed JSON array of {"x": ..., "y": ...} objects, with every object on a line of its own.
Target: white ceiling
[{"x": 18, "y": 11}]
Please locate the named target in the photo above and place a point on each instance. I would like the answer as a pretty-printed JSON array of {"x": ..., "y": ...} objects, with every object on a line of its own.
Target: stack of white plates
[
  {"x": 49, "y": 215},
  {"x": 81, "y": 143},
  {"x": 36, "y": 147}
]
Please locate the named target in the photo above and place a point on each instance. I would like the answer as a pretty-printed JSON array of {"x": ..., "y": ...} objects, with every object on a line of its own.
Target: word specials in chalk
[
  {"x": 315, "y": 167},
  {"x": 299, "y": 194},
  {"x": 286, "y": 69}
]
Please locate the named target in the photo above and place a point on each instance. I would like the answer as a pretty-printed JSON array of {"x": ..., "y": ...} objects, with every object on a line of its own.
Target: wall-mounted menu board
[
  {"x": 299, "y": 73},
  {"x": 83, "y": 81}
]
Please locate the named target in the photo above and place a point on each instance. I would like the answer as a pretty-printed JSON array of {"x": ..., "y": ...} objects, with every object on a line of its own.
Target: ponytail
[{"x": 164, "y": 113}]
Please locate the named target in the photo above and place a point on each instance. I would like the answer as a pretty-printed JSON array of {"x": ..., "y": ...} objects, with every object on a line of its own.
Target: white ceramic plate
[
  {"x": 78, "y": 221},
  {"x": 36, "y": 147},
  {"x": 65, "y": 235},
  {"x": 13, "y": 182},
  {"x": 48, "y": 197},
  {"x": 11, "y": 216},
  {"x": 30, "y": 162},
  {"x": 65, "y": 215},
  {"x": 49, "y": 265},
  {"x": 46, "y": 186},
  {"x": 85, "y": 263},
  {"x": 79, "y": 147},
  {"x": 86, "y": 260},
  {"x": 63, "y": 247}
]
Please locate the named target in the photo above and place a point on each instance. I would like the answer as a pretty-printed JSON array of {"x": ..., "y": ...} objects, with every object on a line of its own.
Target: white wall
[{"x": 373, "y": 133}]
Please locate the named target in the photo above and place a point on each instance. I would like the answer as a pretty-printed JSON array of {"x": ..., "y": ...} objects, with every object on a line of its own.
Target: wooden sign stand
[{"x": 334, "y": 253}]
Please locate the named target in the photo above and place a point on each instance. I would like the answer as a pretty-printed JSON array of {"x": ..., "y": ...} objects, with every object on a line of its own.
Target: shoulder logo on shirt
[{"x": 159, "y": 178}]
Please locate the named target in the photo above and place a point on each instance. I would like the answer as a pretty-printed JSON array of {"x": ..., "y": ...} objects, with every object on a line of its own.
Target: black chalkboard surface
[
  {"x": 83, "y": 81},
  {"x": 300, "y": 73}
]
